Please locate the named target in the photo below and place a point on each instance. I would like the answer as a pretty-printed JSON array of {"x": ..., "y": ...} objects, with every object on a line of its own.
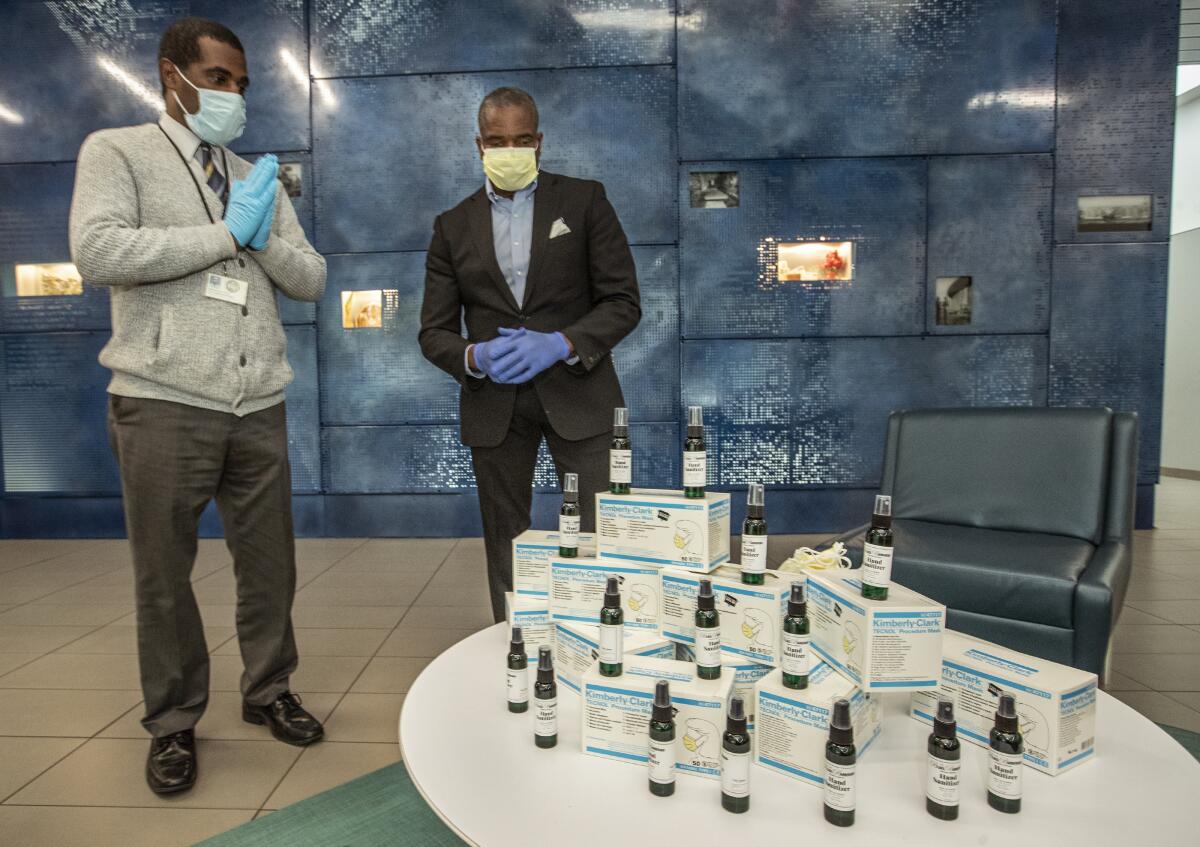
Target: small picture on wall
[
  {"x": 291, "y": 174},
  {"x": 713, "y": 189},
  {"x": 815, "y": 260},
  {"x": 1114, "y": 213},
  {"x": 953, "y": 300},
  {"x": 49, "y": 279},
  {"x": 362, "y": 309}
]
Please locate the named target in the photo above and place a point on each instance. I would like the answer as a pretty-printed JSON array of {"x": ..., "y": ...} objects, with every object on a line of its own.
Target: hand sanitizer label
[
  {"x": 754, "y": 553},
  {"x": 610, "y": 643},
  {"x": 795, "y": 653},
  {"x": 662, "y": 762},
  {"x": 1004, "y": 774},
  {"x": 568, "y": 531},
  {"x": 695, "y": 468},
  {"x": 877, "y": 566},
  {"x": 620, "y": 466},
  {"x": 545, "y": 717},
  {"x": 518, "y": 685},
  {"x": 839, "y": 786},
  {"x": 735, "y": 773},
  {"x": 708, "y": 647},
  {"x": 941, "y": 786}
]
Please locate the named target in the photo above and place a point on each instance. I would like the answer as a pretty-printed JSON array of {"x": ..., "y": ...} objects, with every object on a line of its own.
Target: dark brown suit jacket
[{"x": 582, "y": 284}]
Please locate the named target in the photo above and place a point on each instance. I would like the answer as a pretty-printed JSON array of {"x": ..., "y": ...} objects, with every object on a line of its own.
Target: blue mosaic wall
[{"x": 946, "y": 140}]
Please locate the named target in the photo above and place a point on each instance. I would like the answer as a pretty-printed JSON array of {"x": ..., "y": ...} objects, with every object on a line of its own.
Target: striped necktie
[{"x": 214, "y": 177}]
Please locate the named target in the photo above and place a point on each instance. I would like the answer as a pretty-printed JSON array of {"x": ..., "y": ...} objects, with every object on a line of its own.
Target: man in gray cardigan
[{"x": 193, "y": 243}]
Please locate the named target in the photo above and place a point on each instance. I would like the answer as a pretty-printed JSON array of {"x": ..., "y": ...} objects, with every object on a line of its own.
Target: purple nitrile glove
[
  {"x": 487, "y": 352},
  {"x": 531, "y": 353}
]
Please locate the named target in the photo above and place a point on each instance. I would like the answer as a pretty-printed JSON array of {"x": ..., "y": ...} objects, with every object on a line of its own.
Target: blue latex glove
[
  {"x": 259, "y": 241},
  {"x": 488, "y": 352},
  {"x": 530, "y": 354},
  {"x": 250, "y": 199}
]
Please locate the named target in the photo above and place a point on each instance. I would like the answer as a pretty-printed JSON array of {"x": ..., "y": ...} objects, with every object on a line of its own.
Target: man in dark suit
[{"x": 541, "y": 268}]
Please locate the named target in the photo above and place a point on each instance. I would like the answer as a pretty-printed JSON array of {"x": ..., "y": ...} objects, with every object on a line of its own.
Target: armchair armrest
[{"x": 1099, "y": 595}]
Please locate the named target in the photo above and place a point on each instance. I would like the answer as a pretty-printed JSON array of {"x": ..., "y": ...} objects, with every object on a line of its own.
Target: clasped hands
[
  {"x": 251, "y": 208},
  {"x": 519, "y": 355}
]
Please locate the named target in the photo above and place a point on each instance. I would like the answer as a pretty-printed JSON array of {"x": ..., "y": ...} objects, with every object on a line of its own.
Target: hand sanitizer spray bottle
[
  {"x": 735, "y": 760},
  {"x": 941, "y": 786},
  {"x": 877, "y": 551},
  {"x": 708, "y": 633},
  {"x": 568, "y": 518},
  {"x": 796, "y": 637},
  {"x": 620, "y": 454},
  {"x": 1006, "y": 758},
  {"x": 545, "y": 701},
  {"x": 662, "y": 742},
  {"x": 840, "y": 760},
  {"x": 695, "y": 459},
  {"x": 518, "y": 673},
  {"x": 754, "y": 537},
  {"x": 612, "y": 630}
]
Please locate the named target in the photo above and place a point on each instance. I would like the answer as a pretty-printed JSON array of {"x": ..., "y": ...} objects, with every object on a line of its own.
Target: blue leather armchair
[{"x": 1020, "y": 520}]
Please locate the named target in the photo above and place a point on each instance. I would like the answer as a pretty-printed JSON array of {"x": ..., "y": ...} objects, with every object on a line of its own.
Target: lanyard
[
  {"x": 196, "y": 182},
  {"x": 192, "y": 174}
]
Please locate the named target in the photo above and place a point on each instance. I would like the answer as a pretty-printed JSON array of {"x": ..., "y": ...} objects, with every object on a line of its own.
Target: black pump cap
[
  {"x": 841, "y": 731},
  {"x": 1006, "y": 713},
  {"x": 944, "y": 725},
  {"x": 797, "y": 601},
  {"x": 570, "y": 488},
  {"x": 736, "y": 721},
  {"x": 706, "y": 601},
  {"x": 662, "y": 702},
  {"x": 517, "y": 644},
  {"x": 756, "y": 500},
  {"x": 882, "y": 515},
  {"x": 545, "y": 665},
  {"x": 621, "y": 422},
  {"x": 612, "y": 594}
]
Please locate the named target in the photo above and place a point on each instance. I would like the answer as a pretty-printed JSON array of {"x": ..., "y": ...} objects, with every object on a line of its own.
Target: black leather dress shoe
[
  {"x": 287, "y": 721},
  {"x": 171, "y": 765}
]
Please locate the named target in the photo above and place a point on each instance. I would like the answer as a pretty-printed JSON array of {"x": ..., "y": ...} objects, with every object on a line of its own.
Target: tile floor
[{"x": 369, "y": 615}]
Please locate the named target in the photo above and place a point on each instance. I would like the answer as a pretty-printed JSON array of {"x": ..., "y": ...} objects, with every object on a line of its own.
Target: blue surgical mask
[{"x": 221, "y": 118}]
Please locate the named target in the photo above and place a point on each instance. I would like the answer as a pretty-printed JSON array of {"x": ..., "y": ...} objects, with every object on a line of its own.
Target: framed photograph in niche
[
  {"x": 362, "y": 309},
  {"x": 1114, "y": 213},
  {"x": 953, "y": 299},
  {"x": 713, "y": 189},
  {"x": 291, "y": 174},
  {"x": 799, "y": 261},
  {"x": 45, "y": 279}
]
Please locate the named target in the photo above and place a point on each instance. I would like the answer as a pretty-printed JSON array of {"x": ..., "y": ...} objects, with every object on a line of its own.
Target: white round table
[{"x": 476, "y": 765}]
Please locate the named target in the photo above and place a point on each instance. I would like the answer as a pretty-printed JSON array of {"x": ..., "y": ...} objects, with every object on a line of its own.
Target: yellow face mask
[{"x": 510, "y": 168}]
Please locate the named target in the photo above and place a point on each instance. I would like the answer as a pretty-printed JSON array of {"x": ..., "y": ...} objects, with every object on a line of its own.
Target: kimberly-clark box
[
  {"x": 751, "y": 615},
  {"x": 577, "y": 591},
  {"x": 616, "y": 712},
  {"x": 791, "y": 727},
  {"x": 532, "y": 551},
  {"x": 663, "y": 528},
  {"x": 577, "y": 646},
  {"x": 1056, "y": 704},
  {"x": 745, "y": 674},
  {"x": 534, "y": 619},
  {"x": 881, "y": 645}
]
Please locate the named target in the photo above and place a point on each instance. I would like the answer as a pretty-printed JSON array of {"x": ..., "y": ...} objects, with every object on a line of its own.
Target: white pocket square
[{"x": 559, "y": 227}]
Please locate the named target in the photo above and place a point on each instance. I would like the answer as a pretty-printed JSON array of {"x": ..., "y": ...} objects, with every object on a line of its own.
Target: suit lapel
[
  {"x": 545, "y": 212},
  {"x": 479, "y": 216}
]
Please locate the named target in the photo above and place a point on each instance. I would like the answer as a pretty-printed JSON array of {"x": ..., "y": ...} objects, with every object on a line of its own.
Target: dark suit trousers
[
  {"x": 504, "y": 475},
  {"x": 174, "y": 459}
]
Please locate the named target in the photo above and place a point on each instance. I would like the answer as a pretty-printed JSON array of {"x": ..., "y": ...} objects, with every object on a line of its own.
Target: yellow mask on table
[{"x": 510, "y": 168}]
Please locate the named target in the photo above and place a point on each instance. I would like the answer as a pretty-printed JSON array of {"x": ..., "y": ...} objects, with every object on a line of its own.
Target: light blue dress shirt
[{"x": 512, "y": 232}]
